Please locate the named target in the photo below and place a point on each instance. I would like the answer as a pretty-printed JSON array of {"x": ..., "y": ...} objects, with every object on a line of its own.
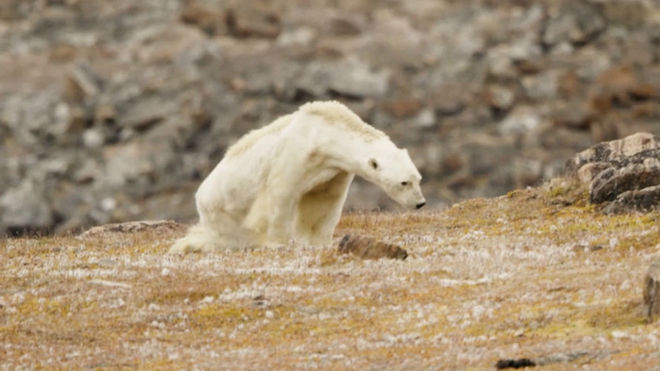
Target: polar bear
[{"x": 289, "y": 180}]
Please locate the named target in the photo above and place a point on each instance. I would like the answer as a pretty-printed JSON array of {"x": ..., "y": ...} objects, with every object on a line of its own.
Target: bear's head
[{"x": 394, "y": 172}]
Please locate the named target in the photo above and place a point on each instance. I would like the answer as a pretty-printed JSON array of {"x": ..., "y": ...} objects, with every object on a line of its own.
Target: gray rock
[
  {"x": 644, "y": 199},
  {"x": 82, "y": 83},
  {"x": 25, "y": 208},
  {"x": 521, "y": 120},
  {"x": 612, "y": 182},
  {"x": 93, "y": 138},
  {"x": 615, "y": 150},
  {"x": 351, "y": 78},
  {"x": 146, "y": 112},
  {"x": 576, "y": 22},
  {"x": 625, "y": 173},
  {"x": 500, "y": 97},
  {"x": 651, "y": 290},
  {"x": 586, "y": 173},
  {"x": 542, "y": 86}
]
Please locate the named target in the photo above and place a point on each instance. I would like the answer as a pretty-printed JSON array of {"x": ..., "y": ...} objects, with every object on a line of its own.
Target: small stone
[
  {"x": 403, "y": 107},
  {"x": 425, "y": 119},
  {"x": 82, "y": 83},
  {"x": 105, "y": 113},
  {"x": 514, "y": 363},
  {"x": 652, "y": 290},
  {"x": 500, "y": 97},
  {"x": 521, "y": 120},
  {"x": 342, "y": 26},
  {"x": 146, "y": 113},
  {"x": 208, "y": 20},
  {"x": 253, "y": 22},
  {"x": 93, "y": 138},
  {"x": 544, "y": 85},
  {"x": 369, "y": 248},
  {"x": 576, "y": 22},
  {"x": 359, "y": 80}
]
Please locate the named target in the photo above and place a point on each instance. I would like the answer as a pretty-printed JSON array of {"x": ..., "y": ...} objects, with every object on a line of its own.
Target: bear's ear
[{"x": 373, "y": 163}]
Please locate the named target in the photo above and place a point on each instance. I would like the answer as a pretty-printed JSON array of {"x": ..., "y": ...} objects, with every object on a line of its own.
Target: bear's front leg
[
  {"x": 282, "y": 197},
  {"x": 280, "y": 219}
]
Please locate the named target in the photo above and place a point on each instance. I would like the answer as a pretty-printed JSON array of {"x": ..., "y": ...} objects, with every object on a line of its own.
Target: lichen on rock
[{"x": 622, "y": 175}]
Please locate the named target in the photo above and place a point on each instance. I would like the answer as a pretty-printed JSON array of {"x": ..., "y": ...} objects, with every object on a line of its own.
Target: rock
[
  {"x": 344, "y": 26},
  {"x": 403, "y": 107},
  {"x": 369, "y": 248},
  {"x": 145, "y": 113},
  {"x": 616, "y": 150},
  {"x": 521, "y": 120},
  {"x": 503, "y": 364},
  {"x": 544, "y": 85},
  {"x": 623, "y": 172},
  {"x": 571, "y": 114},
  {"x": 211, "y": 21},
  {"x": 357, "y": 79},
  {"x": 93, "y": 138},
  {"x": 612, "y": 182},
  {"x": 25, "y": 209},
  {"x": 629, "y": 13},
  {"x": 575, "y": 22},
  {"x": 588, "y": 172},
  {"x": 644, "y": 199},
  {"x": 159, "y": 226},
  {"x": 82, "y": 83},
  {"x": 652, "y": 290},
  {"x": 253, "y": 22},
  {"x": 350, "y": 78},
  {"x": 499, "y": 97}
]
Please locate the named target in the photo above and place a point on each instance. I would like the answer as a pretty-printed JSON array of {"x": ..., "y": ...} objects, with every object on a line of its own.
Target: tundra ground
[{"x": 534, "y": 274}]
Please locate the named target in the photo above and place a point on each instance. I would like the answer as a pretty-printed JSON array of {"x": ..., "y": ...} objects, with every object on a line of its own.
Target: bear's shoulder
[{"x": 338, "y": 114}]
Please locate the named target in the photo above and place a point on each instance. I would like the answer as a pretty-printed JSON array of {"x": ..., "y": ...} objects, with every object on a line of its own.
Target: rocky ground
[
  {"x": 537, "y": 275},
  {"x": 115, "y": 110}
]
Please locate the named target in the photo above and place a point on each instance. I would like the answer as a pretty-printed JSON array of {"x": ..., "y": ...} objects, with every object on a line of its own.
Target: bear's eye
[{"x": 405, "y": 183}]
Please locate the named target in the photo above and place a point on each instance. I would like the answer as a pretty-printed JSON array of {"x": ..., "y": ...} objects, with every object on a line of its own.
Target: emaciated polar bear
[{"x": 289, "y": 180}]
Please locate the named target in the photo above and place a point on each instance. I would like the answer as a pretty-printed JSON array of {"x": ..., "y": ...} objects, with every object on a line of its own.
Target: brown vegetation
[{"x": 535, "y": 274}]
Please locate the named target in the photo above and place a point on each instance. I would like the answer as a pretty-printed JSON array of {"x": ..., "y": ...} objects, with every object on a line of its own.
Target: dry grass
[{"x": 522, "y": 275}]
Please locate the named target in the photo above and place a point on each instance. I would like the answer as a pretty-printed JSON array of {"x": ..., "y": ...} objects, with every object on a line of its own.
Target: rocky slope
[
  {"x": 115, "y": 110},
  {"x": 537, "y": 275}
]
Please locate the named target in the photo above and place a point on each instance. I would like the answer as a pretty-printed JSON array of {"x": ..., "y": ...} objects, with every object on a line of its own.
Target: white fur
[{"x": 289, "y": 180}]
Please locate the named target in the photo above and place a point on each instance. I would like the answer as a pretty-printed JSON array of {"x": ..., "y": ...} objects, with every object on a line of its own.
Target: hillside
[
  {"x": 537, "y": 273},
  {"x": 116, "y": 110}
]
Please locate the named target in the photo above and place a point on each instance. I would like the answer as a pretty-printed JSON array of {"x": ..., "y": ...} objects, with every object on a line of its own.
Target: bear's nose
[{"x": 420, "y": 205}]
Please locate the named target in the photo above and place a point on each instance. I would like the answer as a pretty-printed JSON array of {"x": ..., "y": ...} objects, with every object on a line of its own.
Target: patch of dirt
[{"x": 517, "y": 277}]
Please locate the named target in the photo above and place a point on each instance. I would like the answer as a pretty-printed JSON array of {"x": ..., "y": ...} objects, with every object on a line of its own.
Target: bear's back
[{"x": 250, "y": 139}]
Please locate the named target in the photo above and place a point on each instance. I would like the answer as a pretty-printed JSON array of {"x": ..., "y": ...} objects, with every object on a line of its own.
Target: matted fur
[
  {"x": 337, "y": 113},
  {"x": 249, "y": 139},
  {"x": 334, "y": 112}
]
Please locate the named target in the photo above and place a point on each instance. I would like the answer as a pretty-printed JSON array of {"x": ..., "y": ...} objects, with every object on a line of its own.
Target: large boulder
[{"x": 625, "y": 172}]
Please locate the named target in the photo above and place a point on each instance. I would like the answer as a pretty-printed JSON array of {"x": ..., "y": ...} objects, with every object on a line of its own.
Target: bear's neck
[{"x": 352, "y": 154}]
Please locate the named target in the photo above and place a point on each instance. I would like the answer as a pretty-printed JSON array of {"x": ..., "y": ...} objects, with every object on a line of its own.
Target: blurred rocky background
[{"x": 115, "y": 110}]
